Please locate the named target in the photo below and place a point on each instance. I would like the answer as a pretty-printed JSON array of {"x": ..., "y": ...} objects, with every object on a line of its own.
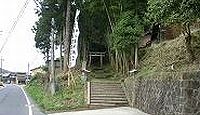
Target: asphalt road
[{"x": 14, "y": 102}]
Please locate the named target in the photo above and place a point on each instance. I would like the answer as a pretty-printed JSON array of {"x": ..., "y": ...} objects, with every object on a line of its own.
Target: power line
[
  {"x": 37, "y": 4},
  {"x": 15, "y": 23}
]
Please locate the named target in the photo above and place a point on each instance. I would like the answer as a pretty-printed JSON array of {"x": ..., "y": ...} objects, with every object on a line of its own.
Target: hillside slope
[
  {"x": 170, "y": 56},
  {"x": 5, "y": 71}
]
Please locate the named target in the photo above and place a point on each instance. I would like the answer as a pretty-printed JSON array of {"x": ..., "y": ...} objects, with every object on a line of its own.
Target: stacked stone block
[{"x": 165, "y": 97}]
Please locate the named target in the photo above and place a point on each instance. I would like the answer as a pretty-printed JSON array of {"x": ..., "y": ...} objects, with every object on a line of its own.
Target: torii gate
[{"x": 96, "y": 54}]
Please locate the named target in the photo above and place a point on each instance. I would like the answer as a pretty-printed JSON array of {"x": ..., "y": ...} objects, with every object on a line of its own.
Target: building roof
[{"x": 35, "y": 68}]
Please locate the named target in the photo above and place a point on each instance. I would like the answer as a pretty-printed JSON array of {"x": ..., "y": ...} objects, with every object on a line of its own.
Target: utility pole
[
  {"x": 27, "y": 75},
  {"x": 1, "y": 68},
  {"x": 28, "y": 69},
  {"x": 1, "y": 60},
  {"x": 52, "y": 74}
]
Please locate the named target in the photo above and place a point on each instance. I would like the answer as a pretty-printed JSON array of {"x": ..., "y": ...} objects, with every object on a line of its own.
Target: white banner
[{"x": 74, "y": 42}]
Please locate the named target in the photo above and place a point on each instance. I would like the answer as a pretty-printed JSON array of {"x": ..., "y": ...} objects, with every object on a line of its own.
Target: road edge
[{"x": 27, "y": 100}]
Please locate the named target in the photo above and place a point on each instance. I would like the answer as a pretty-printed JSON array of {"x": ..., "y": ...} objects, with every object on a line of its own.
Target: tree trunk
[
  {"x": 132, "y": 62},
  {"x": 112, "y": 61},
  {"x": 116, "y": 61},
  {"x": 61, "y": 59},
  {"x": 120, "y": 62},
  {"x": 136, "y": 56},
  {"x": 67, "y": 35},
  {"x": 189, "y": 48},
  {"x": 108, "y": 15},
  {"x": 84, "y": 54},
  {"x": 111, "y": 57},
  {"x": 188, "y": 40},
  {"x": 125, "y": 64},
  {"x": 47, "y": 61}
]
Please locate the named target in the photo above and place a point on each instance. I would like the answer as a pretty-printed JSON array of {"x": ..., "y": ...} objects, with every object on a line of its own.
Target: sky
[{"x": 20, "y": 48}]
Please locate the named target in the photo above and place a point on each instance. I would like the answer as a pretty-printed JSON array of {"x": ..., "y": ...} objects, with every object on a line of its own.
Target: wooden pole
[
  {"x": 90, "y": 59},
  {"x": 67, "y": 36},
  {"x": 136, "y": 56},
  {"x": 61, "y": 46},
  {"x": 88, "y": 92},
  {"x": 52, "y": 75},
  {"x": 101, "y": 61}
]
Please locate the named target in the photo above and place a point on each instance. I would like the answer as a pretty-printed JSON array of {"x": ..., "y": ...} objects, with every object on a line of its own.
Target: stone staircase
[{"x": 104, "y": 94}]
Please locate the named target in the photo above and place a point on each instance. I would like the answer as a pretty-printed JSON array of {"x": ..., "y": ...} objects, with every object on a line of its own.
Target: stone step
[
  {"x": 93, "y": 83},
  {"x": 107, "y": 90},
  {"x": 103, "y": 85},
  {"x": 102, "y": 105},
  {"x": 105, "y": 82},
  {"x": 106, "y": 105},
  {"x": 106, "y": 93},
  {"x": 109, "y": 98},
  {"x": 106, "y": 86},
  {"x": 112, "y": 84},
  {"x": 110, "y": 101}
]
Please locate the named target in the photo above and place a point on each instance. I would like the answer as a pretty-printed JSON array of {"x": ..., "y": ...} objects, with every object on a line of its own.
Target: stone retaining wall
[{"x": 165, "y": 97}]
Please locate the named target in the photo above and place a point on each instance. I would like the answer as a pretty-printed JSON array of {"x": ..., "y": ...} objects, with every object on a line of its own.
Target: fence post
[{"x": 88, "y": 92}]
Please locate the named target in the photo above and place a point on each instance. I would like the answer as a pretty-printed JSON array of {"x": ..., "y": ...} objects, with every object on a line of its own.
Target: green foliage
[
  {"x": 189, "y": 10},
  {"x": 42, "y": 35},
  {"x": 138, "y": 7},
  {"x": 48, "y": 9},
  {"x": 127, "y": 32},
  {"x": 93, "y": 22},
  {"x": 176, "y": 11},
  {"x": 173, "y": 10},
  {"x": 64, "y": 99},
  {"x": 94, "y": 19},
  {"x": 158, "y": 10}
]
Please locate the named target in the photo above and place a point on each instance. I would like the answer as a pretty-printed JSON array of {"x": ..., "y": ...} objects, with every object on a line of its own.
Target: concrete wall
[{"x": 165, "y": 97}]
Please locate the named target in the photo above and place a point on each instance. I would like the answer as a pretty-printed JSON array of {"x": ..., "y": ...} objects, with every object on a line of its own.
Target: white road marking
[
  {"x": 29, "y": 105},
  {"x": 30, "y": 112}
]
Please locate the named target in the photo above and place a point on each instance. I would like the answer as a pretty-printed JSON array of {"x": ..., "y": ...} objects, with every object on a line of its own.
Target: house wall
[{"x": 20, "y": 78}]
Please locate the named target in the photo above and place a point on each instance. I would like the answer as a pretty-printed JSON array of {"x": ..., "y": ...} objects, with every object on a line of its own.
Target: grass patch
[
  {"x": 64, "y": 99},
  {"x": 169, "y": 57}
]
